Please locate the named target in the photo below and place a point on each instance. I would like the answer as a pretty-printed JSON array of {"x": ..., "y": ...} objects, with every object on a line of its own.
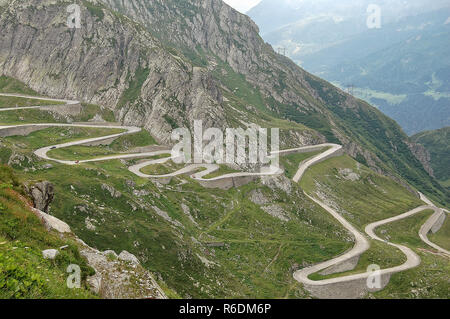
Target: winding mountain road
[{"x": 361, "y": 242}]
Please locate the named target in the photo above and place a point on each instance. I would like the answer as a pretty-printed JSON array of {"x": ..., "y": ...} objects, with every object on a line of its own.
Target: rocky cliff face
[
  {"x": 42, "y": 194},
  {"x": 214, "y": 29},
  {"x": 422, "y": 154},
  {"x": 109, "y": 61}
]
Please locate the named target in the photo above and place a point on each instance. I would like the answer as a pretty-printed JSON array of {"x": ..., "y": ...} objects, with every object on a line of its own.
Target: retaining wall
[
  {"x": 354, "y": 289},
  {"x": 439, "y": 223},
  {"x": 344, "y": 266}
]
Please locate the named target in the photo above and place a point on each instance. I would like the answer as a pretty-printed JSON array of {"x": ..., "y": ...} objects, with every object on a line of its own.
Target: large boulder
[
  {"x": 50, "y": 254},
  {"x": 42, "y": 194},
  {"x": 126, "y": 256},
  {"x": 52, "y": 223}
]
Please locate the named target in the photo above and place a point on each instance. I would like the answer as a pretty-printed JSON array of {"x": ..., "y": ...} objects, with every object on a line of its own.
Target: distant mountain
[
  {"x": 402, "y": 68},
  {"x": 301, "y": 15},
  {"x": 437, "y": 143}
]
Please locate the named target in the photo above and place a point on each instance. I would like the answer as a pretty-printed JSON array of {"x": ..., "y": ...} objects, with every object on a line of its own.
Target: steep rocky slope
[
  {"x": 436, "y": 146},
  {"x": 217, "y": 37},
  {"x": 28, "y": 237}
]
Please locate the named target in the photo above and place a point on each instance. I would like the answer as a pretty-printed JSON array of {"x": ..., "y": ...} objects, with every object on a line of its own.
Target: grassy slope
[
  {"x": 431, "y": 279},
  {"x": 56, "y": 135},
  {"x": 162, "y": 169},
  {"x": 379, "y": 254},
  {"x": 10, "y": 85},
  {"x": 80, "y": 152},
  {"x": 141, "y": 139},
  {"x": 223, "y": 170},
  {"x": 16, "y": 117},
  {"x": 120, "y": 145},
  {"x": 8, "y": 101},
  {"x": 371, "y": 198},
  {"x": 291, "y": 162},
  {"x": 24, "y": 273},
  {"x": 442, "y": 237}
]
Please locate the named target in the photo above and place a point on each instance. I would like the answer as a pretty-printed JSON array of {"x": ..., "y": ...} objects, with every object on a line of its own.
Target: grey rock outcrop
[
  {"x": 42, "y": 194},
  {"x": 50, "y": 254},
  {"x": 277, "y": 212},
  {"x": 120, "y": 278},
  {"x": 422, "y": 154},
  {"x": 111, "y": 190},
  {"x": 52, "y": 223},
  {"x": 126, "y": 256}
]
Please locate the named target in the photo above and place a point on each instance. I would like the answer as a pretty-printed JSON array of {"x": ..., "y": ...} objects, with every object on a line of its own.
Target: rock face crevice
[
  {"x": 42, "y": 194},
  {"x": 422, "y": 154}
]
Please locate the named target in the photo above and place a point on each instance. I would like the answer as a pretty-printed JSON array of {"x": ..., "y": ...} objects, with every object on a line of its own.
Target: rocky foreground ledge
[{"x": 116, "y": 276}]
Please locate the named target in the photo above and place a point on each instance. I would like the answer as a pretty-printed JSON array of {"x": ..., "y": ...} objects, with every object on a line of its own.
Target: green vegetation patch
[
  {"x": 431, "y": 279},
  {"x": 380, "y": 254},
  {"x": 163, "y": 169},
  {"x": 94, "y": 10},
  {"x": 120, "y": 145},
  {"x": 126, "y": 142},
  {"x": 55, "y": 135},
  {"x": 442, "y": 237},
  {"x": 80, "y": 152},
  {"x": 11, "y": 85},
  {"x": 11, "y": 101},
  {"x": 361, "y": 195},
  {"x": 223, "y": 170},
  {"x": 24, "y": 273},
  {"x": 91, "y": 110},
  {"x": 133, "y": 92},
  {"x": 292, "y": 162},
  {"x": 17, "y": 117}
]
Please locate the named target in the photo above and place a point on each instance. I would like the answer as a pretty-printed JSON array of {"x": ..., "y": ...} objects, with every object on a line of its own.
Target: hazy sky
[{"x": 242, "y": 5}]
